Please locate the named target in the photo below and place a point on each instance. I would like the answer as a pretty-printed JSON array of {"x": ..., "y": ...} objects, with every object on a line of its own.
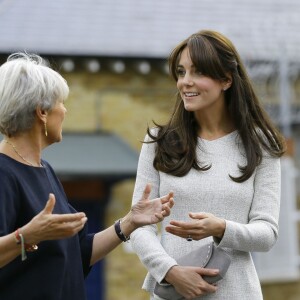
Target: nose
[{"x": 187, "y": 79}]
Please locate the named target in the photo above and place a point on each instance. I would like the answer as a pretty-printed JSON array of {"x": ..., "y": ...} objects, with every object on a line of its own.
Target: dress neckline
[
  {"x": 225, "y": 137},
  {"x": 21, "y": 163}
]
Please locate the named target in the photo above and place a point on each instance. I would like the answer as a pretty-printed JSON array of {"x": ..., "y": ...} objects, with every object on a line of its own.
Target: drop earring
[{"x": 45, "y": 126}]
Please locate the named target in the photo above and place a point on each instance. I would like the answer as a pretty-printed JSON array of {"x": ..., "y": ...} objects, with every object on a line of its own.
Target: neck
[
  {"x": 22, "y": 150},
  {"x": 212, "y": 126}
]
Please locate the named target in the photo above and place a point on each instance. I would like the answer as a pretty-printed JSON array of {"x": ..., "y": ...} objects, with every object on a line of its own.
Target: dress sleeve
[
  {"x": 86, "y": 246},
  {"x": 9, "y": 203},
  {"x": 261, "y": 232},
  {"x": 144, "y": 240}
]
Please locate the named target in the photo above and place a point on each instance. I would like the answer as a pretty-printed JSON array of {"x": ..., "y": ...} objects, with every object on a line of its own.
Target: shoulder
[
  {"x": 151, "y": 135},
  {"x": 10, "y": 181},
  {"x": 7, "y": 166},
  {"x": 270, "y": 143},
  {"x": 267, "y": 137},
  {"x": 49, "y": 170},
  {"x": 46, "y": 164}
]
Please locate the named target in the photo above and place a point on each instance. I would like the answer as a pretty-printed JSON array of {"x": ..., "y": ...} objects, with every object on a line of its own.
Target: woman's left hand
[
  {"x": 147, "y": 211},
  {"x": 201, "y": 226}
]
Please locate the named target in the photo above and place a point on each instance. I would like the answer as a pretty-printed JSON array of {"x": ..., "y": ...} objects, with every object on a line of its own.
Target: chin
[
  {"x": 189, "y": 108},
  {"x": 59, "y": 139}
]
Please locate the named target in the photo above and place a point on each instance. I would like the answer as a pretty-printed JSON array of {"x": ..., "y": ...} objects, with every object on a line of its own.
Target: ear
[
  {"x": 41, "y": 114},
  {"x": 227, "y": 83}
]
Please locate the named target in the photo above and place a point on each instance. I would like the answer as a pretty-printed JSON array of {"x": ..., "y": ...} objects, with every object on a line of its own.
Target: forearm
[
  {"x": 107, "y": 240},
  {"x": 261, "y": 232},
  {"x": 154, "y": 257},
  {"x": 9, "y": 249},
  {"x": 254, "y": 237},
  {"x": 142, "y": 213}
]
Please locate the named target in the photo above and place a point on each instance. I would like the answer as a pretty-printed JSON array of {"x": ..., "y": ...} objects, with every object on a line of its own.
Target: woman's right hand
[
  {"x": 49, "y": 226},
  {"x": 188, "y": 281}
]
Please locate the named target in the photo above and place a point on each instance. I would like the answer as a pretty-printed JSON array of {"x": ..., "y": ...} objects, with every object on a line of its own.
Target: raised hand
[
  {"x": 49, "y": 226},
  {"x": 148, "y": 211},
  {"x": 144, "y": 212}
]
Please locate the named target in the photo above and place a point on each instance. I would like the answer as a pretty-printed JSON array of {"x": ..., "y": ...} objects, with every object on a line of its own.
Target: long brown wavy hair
[{"x": 215, "y": 56}]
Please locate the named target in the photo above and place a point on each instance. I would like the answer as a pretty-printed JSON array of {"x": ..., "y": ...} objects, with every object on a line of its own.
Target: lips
[{"x": 190, "y": 94}]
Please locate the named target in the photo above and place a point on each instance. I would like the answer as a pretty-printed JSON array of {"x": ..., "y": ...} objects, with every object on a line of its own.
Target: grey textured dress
[{"x": 251, "y": 211}]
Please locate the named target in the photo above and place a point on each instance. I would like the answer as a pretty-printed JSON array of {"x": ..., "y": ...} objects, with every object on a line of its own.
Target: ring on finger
[{"x": 189, "y": 238}]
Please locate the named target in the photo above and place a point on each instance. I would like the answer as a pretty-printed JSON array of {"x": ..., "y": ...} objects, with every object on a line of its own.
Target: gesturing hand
[
  {"x": 147, "y": 211},
  {"x": 49, "y": 226},
  {"x": 201, "y": 226}
]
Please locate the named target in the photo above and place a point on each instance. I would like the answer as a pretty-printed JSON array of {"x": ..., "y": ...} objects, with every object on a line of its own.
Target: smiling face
[{"x": 198, "y": 92}]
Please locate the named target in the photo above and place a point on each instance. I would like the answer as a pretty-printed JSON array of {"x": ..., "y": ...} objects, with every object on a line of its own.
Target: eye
[{"x": 180, "y": 72}]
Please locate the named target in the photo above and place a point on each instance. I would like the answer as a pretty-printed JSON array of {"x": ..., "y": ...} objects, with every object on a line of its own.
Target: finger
[
  {"x": 171, "y": 202},
  {"x": 182, "y": 232},
  {"x": 165, "y": 213},
  {"x": 207, "y": 272},
  {"x": 209, "y": 288},
  {"x": 64, "y": 230},
  {"x": 65, "y": 218},
  {"x": 74, "y": 227},
  {"x": 179, "y": 233},
  {"x": 50, "y": 204},
  {"x": 167, "y": 198},
  {"x": 166, "y": 210},
  {"x": 182, "y": 224},
  {"x": 198, "y": 216},
  {"x": 159, "y": 216},
  {"x": 146, "y": 192}
]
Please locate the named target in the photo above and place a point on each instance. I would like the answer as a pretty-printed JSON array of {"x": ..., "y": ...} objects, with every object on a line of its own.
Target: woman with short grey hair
[
  {"x": 31, "y": 84},
  {"x": 36, "y": 220}
]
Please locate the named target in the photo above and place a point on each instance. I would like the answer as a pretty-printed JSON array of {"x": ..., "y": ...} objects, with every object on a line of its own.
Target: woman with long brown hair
[{"x": 219, "y": 152}]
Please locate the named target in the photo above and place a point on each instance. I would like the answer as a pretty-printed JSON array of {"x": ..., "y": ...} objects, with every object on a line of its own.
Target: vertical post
[{"x": 285, "y": 97}]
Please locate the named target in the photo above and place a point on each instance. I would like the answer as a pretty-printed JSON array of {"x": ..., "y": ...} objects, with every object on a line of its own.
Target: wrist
[
  {"x": 171, "y": 274},
  {"x": 27, "y": 234},
  {"x": 221, "y": 228},
  {"x": 25, "y": 247},
  {"x": 127, "y": 225},
  {"x": 122, "y": 235}
]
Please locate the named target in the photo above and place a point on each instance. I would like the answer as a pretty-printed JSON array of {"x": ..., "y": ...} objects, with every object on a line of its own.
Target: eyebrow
[{"x": 181, "y": 66}]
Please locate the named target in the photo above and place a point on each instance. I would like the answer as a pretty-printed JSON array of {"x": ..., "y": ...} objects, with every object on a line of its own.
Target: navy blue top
[{"x": 56, "y": 270}]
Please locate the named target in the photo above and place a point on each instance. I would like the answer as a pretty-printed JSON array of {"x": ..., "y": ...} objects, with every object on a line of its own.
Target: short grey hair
[{"x": 27, "y": 82}]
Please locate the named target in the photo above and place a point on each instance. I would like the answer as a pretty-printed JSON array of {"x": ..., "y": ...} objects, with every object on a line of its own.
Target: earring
[{"x": 45, "y": 126}]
